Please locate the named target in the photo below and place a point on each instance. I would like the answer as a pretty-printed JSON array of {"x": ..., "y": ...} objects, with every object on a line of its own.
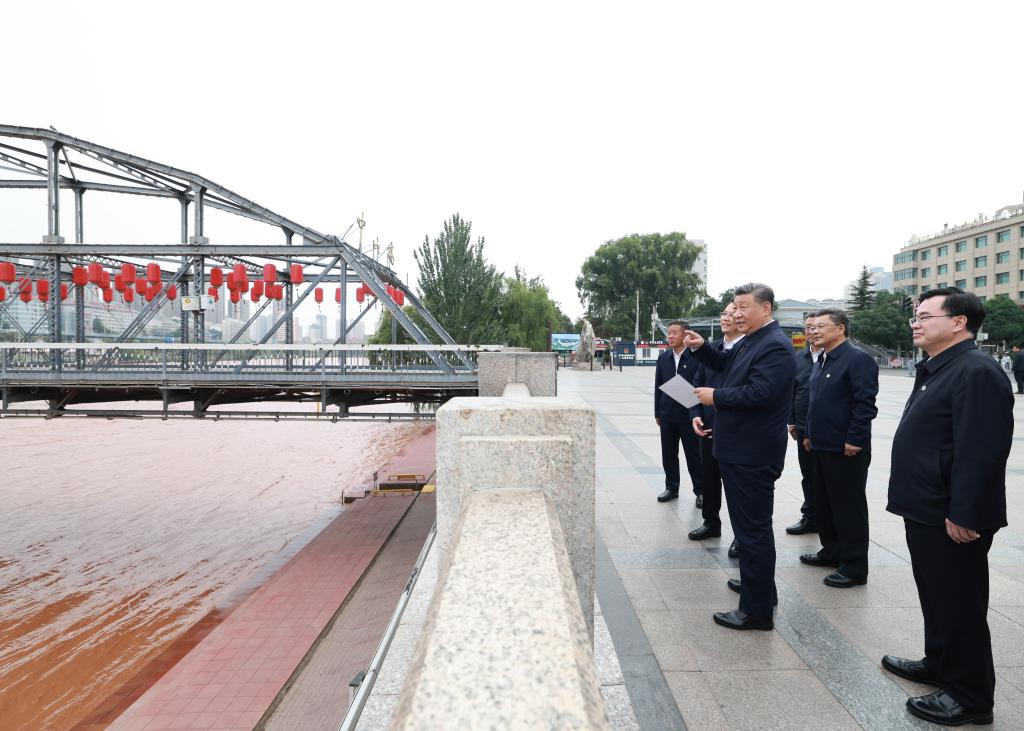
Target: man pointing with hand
[{"x": 752, "y": 403}]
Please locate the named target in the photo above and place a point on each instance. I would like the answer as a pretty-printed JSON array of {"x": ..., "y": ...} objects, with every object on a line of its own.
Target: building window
[
  {"x": 1003, "y": 278},
  {"x": 1021, "y": 277},
  {"x": 961, "y": 266},
  {"x": 942, "y": 269},
  {"x": 960, "y": 246},
  {"x": 925, "y": 254},
  {"x": 960, "y": 283},
  {"x": 980, "y": 261},
  {"x": 906, "y": 256},
  {"x": 943, "y": 250},
  {"x": 942, "y": 285},
  {"x": 1003, "y": 236},
  {"x": 904, "y": 274},
  {"x": 1020, "y": 295},
  {"x": 1004, "y": 294},
  {"x": 983, "y": 298},
  {"x": 981, "y": 281},
  {"x": 926, "y": 271},
  {"x": 1003, "y": 257},
  {"x": 981, "y": 242}
]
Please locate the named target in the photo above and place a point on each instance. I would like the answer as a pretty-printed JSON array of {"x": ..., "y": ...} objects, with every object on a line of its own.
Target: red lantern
[
  {"x": 104, "y": 282},
  {"x": 63, "y": 291},
  {"x": 79, "y": 276},
  {"x": 215, "y": 293},
  {"x": 3, "y": 294},
  {"x": 257, "y": 289},
  {"x": 108, "y": 296},
  {"x": 401, "y": 298},
  {"x": 232, "y": 282},
  {"x": 26, "y": 295},
  {"x": 216, "y": 277},
  {"x": 153, "y": 272},
  {"x": 253, "y": 294},
  {"x": 95, "y": 273},
  {"x": 318, "y": 295},
  {"x": 360, "y": 295},
  {"x": 243, "y": 283},
  {"x": 141, "y": 286},
  {"x": 172, "y": 292},
  {"x": 269, "y": 273},
  {"x": 235, "y": 296},
  {"x": 240, "y": 272},
  {"x": 297, "y": 274},
  {"x": 43, "y": 288},
  {"x": 128, "y": 273},
  {"x": 153, "y": 290},
  {"x": 337, "y": 295},
  {"x": 129, "y": 295},
  {"x": 7, "y": 272},
  {"x": 119, "y": 282}
]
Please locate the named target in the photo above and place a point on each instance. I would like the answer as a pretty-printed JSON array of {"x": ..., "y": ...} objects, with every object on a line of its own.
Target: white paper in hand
[{"x": 681, "y": 390}]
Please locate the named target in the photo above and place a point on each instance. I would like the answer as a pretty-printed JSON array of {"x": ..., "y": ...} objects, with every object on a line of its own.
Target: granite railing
[{"x": 508, "y": 641}]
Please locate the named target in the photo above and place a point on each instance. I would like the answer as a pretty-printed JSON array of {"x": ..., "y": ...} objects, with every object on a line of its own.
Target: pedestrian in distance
[
  {"x": 842, "y": 389},
  {"x": 948, "y": 483},
  {"x": 703, "y": 418},
  {"x": 752, "y": 403},
  {"x": 673, "y": 418},
  {"x": 805, "y": 359}
]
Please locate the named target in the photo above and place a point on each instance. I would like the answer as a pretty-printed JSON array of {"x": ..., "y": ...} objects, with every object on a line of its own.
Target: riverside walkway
[{"x": 820, "y": 667}]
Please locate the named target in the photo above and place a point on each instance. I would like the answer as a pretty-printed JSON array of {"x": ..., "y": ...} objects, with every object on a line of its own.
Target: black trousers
[
  {"x": 1019, "y": 378},
  {"x": 806, "y": 478},
  {"x": 673, "y": 432},
  {"x": 952, "y": 583},
  {"x": 750, "y": 494},
  {"x": 842, "y": 509},
  {"x": 711, "y": 482}
]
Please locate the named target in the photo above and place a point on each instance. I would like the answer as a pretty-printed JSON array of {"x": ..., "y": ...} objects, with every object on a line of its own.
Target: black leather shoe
[
  {"x": 734, "y": 549},
  {"x": 738, "y": 619},
  {"x": 736, "y": 585},
  {"x": 916, "y": 670},
  {"x": 801, "y": 526},
  {"x": 941, "y": 708},
  {"x": 700, "y": 502},
  {"x": 839, "y": 581},
  {"x": 668, "y": 495},
  {"x": 705, "y": 531},
  {"x": 813, "y": 559}
]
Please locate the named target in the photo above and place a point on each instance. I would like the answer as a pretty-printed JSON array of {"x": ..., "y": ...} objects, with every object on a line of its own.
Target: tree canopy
[
  {"x": 457, "y": 285},
  {"x": 659, "y": 266},
  {"x": 528, "y": 313},
  {"x": 863, "y": 295},
  {"x": 712, "y": 307},
  {"x": 883, "y": 323},
  {"x": 1004, "y": 320}
]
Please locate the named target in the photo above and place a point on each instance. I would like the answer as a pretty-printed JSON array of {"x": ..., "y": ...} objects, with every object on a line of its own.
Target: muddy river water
[{"x": 116, "y": 536}]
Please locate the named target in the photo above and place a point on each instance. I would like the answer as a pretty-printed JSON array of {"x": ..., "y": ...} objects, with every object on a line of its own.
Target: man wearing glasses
[
  {"x": 948, "y": 482},
  {"x": 842, "y": 390}
]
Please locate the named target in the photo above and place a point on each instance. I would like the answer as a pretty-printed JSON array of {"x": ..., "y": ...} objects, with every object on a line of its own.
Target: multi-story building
[{"x": 984, "y": 256}]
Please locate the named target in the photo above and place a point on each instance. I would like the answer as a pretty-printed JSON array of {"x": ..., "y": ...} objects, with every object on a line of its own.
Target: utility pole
[
  {"x": 636, "y": 329},
  {"x": 361, "y": 223}
]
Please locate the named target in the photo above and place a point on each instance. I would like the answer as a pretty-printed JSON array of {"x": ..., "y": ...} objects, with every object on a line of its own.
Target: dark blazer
[
  {"x": 842, "y": 399},
  {"x": 1018, "y": 362},
  {"x": 798, "y": 414},
  {"x": 949, "y": 452},
  {"x": 666, "y": 407},
  {"x": 753, "y": 400}
]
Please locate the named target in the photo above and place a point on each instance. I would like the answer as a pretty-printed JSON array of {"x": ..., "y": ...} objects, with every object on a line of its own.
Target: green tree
[
  {"x": 528, "y": 313},
  {"x": 457, "y": 285},
  {"x": 712, "y": 307},
  {"x": 883, "y": 323},
  {"x": 382, "y": 335},
  {"x": 659, "y": 266},
  {"x": 863, "y": 296},
  {"x": 1004, "y": 320}
]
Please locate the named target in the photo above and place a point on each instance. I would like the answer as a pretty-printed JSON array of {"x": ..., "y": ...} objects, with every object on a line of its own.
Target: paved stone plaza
[{"x": 819, "y": 668}]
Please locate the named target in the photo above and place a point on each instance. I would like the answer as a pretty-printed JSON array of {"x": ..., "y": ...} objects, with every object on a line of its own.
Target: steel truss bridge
[{"x": 66, "y": 373}]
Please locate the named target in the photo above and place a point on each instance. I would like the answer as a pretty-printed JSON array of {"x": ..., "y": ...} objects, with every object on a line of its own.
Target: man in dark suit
[
  {"x": 842, "y": 390},
  {"x": 805, "y": 359},
  {"x": 752, "y": 404},
  {"x": 673, "y": 418},
  {"x": 1018, "y": 368},
  {"x": 948, "y": 481},
  {"x": 703, "y": 426}
]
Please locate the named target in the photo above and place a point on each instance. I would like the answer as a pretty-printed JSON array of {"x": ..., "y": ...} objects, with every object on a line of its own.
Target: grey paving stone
[
  {"x": 701, "y": 710},
  {"x": 663, "y": 558},
  {"x": 781, "y": 699},
  {"x": 640, "y": 589},
  {"x": 608, "y": 670},
  {"x": 693, "y": 588},
  {"x": 620, "y": 709}
]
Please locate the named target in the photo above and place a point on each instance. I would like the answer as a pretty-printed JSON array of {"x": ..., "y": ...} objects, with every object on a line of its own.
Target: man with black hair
[
  {"x": 673, "y": 418},
  {"x": 842, "y": 389},
  {"x": 948, "y": 482},
  {"x": 752, "y": 404},
  {"x": 805, "y": 360}
]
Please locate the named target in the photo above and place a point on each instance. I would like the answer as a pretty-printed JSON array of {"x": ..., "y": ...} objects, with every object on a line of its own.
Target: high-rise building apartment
[{"x": 984, "y": 256}]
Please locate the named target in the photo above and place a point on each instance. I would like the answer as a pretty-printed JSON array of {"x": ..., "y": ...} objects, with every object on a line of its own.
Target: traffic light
[{"x": 907, "y": 304}]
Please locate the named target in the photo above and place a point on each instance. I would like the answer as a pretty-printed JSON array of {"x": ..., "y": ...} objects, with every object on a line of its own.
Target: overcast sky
[{"x": 799, "y": 140}]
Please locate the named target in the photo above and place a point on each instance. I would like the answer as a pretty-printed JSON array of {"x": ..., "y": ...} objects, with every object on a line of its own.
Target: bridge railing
[{"x": 162, "y": 360}]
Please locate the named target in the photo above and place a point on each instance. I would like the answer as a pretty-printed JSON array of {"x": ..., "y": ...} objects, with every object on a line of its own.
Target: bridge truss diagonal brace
[{"x": 369, "y": 276}]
